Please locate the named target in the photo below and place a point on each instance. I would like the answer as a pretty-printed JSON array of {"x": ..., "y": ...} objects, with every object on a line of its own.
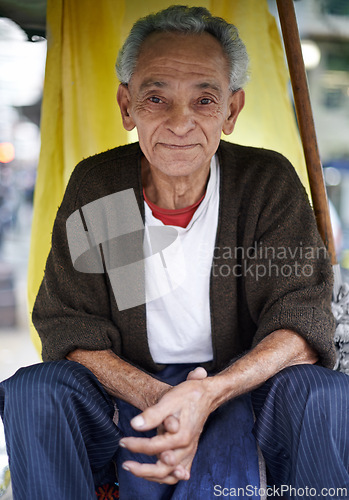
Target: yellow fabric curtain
[{"x": 80, "y": 115}]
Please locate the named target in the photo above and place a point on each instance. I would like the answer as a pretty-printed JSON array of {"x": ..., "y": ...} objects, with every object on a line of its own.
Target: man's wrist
[
  {"x": 216, "y": 389},
  {"x": 155, "y": 393}
]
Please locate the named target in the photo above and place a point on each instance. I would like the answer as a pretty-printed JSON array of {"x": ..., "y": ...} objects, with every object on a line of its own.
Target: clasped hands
[{"x": 179, "y": 417}]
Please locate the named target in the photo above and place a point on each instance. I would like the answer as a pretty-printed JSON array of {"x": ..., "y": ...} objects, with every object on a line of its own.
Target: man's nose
[{"x": 180, "y": 120}]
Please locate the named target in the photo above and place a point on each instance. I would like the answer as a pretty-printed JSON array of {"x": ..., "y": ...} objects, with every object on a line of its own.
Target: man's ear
[
  {"x": 236, "y": 103},
  {"x": 124, "y": 99}
]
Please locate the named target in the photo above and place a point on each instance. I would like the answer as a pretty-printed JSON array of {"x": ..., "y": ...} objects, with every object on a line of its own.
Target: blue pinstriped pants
[
  {"x": 302, "y": 427},
  {"x": 62, "y": 439}
]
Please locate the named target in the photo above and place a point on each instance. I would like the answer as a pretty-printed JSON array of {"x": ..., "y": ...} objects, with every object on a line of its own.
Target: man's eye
[
  {"x": 155, "y": 100},
  {"x": 205, "y": 100}
]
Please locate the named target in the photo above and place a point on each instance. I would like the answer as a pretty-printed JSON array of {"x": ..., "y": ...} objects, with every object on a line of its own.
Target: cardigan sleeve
[
  {"x": 72, "y": 309},
  {"x": 288, "y": 275}
]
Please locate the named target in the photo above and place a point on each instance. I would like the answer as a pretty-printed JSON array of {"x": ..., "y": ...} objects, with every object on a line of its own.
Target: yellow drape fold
[
  {"x": 268, "y": 119},
  {"x": 79, "y": 111}
]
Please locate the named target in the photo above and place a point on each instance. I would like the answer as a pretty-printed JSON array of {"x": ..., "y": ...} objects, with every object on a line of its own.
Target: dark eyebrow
[
  {"x": 159, "y": 84},
  {"x": 152, "y": 83},
  {"x": 208, "y": 85}
]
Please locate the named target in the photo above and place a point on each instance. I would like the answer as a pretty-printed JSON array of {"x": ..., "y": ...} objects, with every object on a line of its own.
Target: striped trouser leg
[
  {"x": 59, "y": 430},
  {"x": 302, "y": 428}
]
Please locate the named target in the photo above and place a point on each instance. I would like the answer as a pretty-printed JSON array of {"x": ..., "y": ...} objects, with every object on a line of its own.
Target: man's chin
[
  {"x": 180, "y": 161},
  {"x": 177, "y": 167}
]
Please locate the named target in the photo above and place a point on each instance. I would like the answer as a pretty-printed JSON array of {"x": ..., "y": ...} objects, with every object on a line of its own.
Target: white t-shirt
[{"x": 178, "y": 322}]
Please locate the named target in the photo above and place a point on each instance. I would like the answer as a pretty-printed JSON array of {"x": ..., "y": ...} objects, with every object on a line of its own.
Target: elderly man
[{"x": 152, "y": 368}]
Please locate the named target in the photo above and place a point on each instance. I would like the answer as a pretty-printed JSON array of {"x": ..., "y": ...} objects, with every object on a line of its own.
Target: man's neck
[{"x": 172, "y": 192}]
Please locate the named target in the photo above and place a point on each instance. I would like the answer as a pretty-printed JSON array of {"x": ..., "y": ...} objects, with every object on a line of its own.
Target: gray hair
[{"x": 190, "y": 20}]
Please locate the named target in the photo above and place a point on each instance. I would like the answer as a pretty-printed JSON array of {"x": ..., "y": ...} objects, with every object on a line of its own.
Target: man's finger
[
  {"x": 151, "y": 418},
  {"x": 198, "y": 374},
  {"x": 181, "y": 474},
  {"x": 158, "y": 472},
  {"x": 169, "y": 457},
  {"x": 150, "y": 446},
  {"x": 171, "y": 424}
]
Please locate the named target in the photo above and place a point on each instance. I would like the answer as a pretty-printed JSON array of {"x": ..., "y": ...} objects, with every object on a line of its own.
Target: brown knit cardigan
[{"x": 264, "y": 220}]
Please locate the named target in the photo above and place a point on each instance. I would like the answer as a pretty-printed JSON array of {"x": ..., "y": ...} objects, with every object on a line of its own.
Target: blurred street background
[
  {"x": 22, "y": 66},
  {"x": 324, "y": 29},
  {"x": 324, "y": 32}
]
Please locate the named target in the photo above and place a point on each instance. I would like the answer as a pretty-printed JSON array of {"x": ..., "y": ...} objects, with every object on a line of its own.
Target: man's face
[{"x": 180, "y": 102}]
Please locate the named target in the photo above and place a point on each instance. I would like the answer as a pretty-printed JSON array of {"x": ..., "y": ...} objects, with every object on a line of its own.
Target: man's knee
[
  {"x": 33, "y": 384},
  {"x": 309, "y": 379},
  {"x": 304, "y": 385}
]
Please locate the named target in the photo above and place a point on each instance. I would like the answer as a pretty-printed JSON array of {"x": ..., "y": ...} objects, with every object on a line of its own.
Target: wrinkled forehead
[{"x": 186, "y": 53}]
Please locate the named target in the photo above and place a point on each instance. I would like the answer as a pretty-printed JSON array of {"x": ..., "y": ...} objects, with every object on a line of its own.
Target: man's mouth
[{"x": 177, "y": 146}]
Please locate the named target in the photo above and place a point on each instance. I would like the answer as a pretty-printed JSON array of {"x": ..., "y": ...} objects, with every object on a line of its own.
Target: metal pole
[{"x": 306, "y": 123}]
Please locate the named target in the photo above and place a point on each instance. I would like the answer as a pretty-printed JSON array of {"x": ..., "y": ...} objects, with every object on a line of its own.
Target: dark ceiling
[{"x": 30, "y": 15}]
